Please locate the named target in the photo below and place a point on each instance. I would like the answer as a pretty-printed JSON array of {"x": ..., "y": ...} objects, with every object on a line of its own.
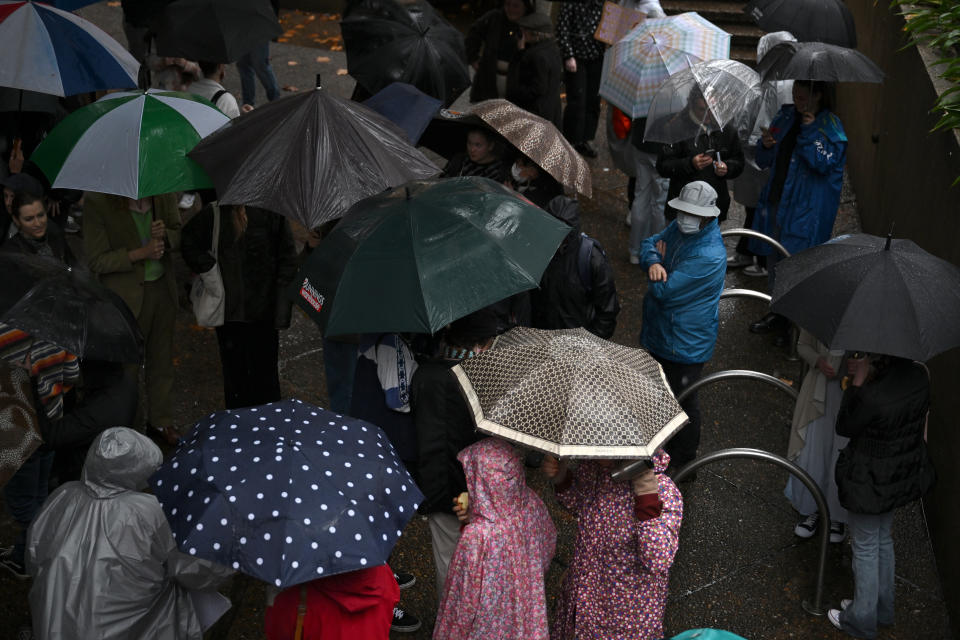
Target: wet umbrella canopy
[
  {"x": 425, "y": 254},
  {"x": 215, "y": 30},
  {"x": 68, "y": 308},
  {"x": 827, "y": 21},
  {"x": 412, "y": 43},
  {"x": 406, "y": 106},
  {"x": 286, "y": 492},
  {"x": 877, "y": 295},
  {"x": 309, "y": 157},
  {"x": 570, "y": 393},
  {"x": 817, "y": 61}
]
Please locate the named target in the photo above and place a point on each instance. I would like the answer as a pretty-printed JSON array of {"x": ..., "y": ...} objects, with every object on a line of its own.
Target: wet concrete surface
[{"x": 739, "y": 566}]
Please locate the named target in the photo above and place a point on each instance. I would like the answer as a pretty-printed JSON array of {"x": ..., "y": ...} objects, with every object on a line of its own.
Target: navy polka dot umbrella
[{"x": 286, "y": 492}]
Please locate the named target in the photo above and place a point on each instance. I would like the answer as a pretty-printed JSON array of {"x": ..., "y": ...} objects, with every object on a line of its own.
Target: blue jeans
[
  {"x": 257, "y": 62},
  {"x": 25, "y": 493},
  {"x": 873, "y": 567},
  {"x": 339, "y": 364}
]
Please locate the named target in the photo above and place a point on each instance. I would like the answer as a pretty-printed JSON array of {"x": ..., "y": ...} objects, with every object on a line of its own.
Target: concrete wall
[{"x": 902, "y": 176}]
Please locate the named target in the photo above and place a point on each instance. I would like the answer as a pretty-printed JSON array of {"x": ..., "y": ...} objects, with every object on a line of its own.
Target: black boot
[{"x": 768, "y": 323}]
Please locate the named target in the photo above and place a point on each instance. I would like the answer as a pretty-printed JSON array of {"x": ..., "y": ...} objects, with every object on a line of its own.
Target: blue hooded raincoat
[
  {"x": 811, "y": 192},
  {"x": 680, "y": 316}
]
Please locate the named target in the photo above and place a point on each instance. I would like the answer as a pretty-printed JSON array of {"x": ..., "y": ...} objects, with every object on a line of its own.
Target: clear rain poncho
[{"x": 104, "y": 562}]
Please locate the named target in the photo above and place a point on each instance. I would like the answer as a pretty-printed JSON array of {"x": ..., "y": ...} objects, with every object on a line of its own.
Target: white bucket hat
[{"x": 698, "y": 198}]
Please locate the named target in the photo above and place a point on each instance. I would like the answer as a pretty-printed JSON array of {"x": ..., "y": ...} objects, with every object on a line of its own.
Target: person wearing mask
[
  {"x": 491, "y": 44},
  {"x": 128, "y": 244},
  {"x": 483, "y": 157},
  {"x": 709, "y": 156},
  {"x": 686, "y": 264},
  {"x": 532, "y": 182},
  {"x": 884, "y": 466},
  {"x": 533, "y": 80},
  {"x": 577, "y": 288},
  {"x": 805, "y": 148},
  {"x": 582, "y": 64}
]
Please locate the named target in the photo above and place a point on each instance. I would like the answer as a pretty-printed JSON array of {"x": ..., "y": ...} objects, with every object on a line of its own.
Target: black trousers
[
  {"x": 248, "y": 353},
  {"x": 682, "y": 447},
  {"x": 582, "y": 114}
]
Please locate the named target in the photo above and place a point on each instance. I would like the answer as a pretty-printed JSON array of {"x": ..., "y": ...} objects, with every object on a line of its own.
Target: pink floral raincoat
[
  {"x": 494, "y": 589},
  {"x": 616, "y": 586}
]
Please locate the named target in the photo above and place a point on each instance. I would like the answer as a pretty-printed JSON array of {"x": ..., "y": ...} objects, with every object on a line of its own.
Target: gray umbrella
[
  {"x": 878, "y": 295},
  {"x": 817, "y": 61},
  {"x": 309, "y": 157},
  {"x": 571, "y": 394}
]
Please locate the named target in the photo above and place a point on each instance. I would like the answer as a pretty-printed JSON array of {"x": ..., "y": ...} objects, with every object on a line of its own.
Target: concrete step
[{"x": 716, "y": 11}]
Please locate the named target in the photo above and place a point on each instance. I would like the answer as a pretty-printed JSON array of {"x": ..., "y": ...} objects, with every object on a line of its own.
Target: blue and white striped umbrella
[
  {"x": 52, "y": 51},
  {"x": 286, "y": 492}
]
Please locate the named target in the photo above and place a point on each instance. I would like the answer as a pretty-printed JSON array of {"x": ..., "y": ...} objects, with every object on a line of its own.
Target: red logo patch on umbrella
[{"x": 313, "y": 297}]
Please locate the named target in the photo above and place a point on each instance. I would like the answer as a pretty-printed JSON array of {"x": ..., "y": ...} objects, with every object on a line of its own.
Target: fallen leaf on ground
[
  {"x": 113, "y": 4},
  {"x": 292, "y": 63},
  {"x": 341, "y": 72},
  {"x": 323, "y": 59},
  {"x": 336, "y": 47},
  {"x": 283, "y": 39},
  {"x": 289, "y": 87}
]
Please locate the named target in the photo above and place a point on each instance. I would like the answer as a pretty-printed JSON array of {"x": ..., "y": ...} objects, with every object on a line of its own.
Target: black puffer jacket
[
  {"x": 533, "y": 81},
  {"x": 885, "y": 464},
  {"x": 256, "y": 267},
  {"x": 490, "y": 38},
  {"x": 444, "y": 428},
  {"x": 562, "y": 301}
]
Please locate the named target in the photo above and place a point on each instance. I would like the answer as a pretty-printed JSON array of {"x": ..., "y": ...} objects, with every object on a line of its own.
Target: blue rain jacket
[
  {"x": 811, "y": 192},
  {"x": 680, "y": 316}
]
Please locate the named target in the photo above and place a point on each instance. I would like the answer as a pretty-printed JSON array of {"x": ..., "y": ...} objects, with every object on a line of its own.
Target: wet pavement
[{"x": 739, "y": 566}]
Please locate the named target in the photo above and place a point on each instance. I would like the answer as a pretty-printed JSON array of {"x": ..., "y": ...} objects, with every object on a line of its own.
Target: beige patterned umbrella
[
  {"x": 534, "y": 137},
  {"x": 571, "y": 394}
]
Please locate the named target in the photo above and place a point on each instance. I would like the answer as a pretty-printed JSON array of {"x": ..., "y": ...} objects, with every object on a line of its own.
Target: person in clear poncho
[{"x": 104, "y": 561}]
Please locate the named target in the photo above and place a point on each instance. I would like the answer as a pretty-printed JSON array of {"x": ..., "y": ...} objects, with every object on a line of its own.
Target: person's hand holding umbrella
[
  {"x": 656, "y": 272},
  {"x": 859, "y": 370}
]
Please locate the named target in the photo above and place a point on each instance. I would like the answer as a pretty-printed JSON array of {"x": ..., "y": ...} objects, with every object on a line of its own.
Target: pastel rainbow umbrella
[
  {"x": 132, "y": 144},
  {"x": 48, "y": 50},
  {"x": 636, "y": 66}
]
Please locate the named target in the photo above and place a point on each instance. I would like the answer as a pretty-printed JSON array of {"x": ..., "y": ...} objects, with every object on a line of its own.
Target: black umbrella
[
  {"x": 817, "y": 61},
  {"x": 68, "y": 308},
  {"x": 808, "y": 20},
  {"x": 390, "y": 43},
  {"x": 215, "y": 30},
  {"x": 309, "y": 157},
  {"x": 876, "y": 295}
]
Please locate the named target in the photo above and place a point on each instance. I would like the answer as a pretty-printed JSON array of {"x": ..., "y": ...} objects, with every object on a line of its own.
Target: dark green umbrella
[{"x": 422, "y": 255}]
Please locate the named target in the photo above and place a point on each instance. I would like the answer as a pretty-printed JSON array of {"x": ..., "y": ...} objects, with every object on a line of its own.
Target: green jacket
[{"x": 109, "y": 233}]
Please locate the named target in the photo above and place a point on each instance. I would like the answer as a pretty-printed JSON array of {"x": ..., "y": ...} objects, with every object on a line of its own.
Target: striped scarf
[{"x": 55, "y": 370}]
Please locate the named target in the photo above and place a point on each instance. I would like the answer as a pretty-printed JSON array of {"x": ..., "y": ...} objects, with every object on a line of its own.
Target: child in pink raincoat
[
  {"x": 494, "y": 588},
  {"x": 627, "y": 535}
]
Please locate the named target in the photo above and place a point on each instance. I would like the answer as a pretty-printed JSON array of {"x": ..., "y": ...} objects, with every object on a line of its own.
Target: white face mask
[
  {"x": 517, "y": 176},
  {"x": 688, "y": 223}
]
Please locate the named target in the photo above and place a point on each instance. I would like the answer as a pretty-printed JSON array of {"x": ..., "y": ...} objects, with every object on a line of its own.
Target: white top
[{"x": 207, "y": 88}]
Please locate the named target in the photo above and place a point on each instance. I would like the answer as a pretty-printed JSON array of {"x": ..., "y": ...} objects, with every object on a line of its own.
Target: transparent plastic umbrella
[{"x": 725, "y": 87}]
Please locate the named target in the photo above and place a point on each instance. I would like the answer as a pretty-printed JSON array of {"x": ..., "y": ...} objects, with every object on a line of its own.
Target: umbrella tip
[
  {"x": 407, "y": 190},
  {"x": 889, "y": 237},
  {"x": 319, "y": 82}
]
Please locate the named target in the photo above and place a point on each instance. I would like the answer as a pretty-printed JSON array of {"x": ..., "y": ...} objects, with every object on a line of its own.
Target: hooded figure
[
  {"x": 577, "y": 288},
  {"x": 104, "y": 562},
  {"x": 616, "y": 586},
  {"x": 494, "y": 587}
]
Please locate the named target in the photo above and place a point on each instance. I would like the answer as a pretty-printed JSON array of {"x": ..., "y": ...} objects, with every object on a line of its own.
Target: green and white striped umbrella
[{"x": 132, "y": 144}]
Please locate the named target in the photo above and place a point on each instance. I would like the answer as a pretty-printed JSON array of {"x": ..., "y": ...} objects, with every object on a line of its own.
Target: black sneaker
[
  {"x": 808, "y": 526},
  {"x": 404, "y": 580},
  {"x": 14, "y": 567},
  {"x": 404, "y": 622}
]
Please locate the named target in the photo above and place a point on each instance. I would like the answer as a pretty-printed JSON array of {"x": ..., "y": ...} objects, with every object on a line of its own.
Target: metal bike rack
[
  {"x": 745, "y": 293},
  {"x": 815, "y": 607},
  {"x": 740, "y": 231},
  {"x": 629, "y": 470}
]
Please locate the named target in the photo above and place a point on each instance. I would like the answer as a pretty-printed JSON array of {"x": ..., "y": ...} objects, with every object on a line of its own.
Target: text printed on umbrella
[{"x": 313, "y": 297}]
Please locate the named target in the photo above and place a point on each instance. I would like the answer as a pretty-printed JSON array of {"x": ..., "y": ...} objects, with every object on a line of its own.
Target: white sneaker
[
  {"x": 754, "y": 271},
  {"x": 846, "y": 602},
  {"x": 838, "y": 532},
  {"x": 834, "y": 617},
  {"x": 634, "y": 259}
]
